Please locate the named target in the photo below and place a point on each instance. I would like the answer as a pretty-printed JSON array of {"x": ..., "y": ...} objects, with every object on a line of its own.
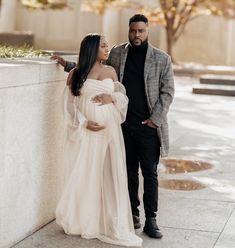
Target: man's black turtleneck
[{"x": 133, "y": 81}]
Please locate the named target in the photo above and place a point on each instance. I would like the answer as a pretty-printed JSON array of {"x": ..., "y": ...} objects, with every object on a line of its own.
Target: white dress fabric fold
[{"x": 95, "y": 200}]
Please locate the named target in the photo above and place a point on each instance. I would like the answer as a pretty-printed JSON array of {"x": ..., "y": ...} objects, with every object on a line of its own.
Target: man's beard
[{"x": 142, "y": 44}]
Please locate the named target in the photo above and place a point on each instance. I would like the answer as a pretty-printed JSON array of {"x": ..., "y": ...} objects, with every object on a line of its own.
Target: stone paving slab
[
  {"x": 178, "y": 238},
  {"x": 194, "y": 214},
  {"x": 52, "y": 236},
  {"x": 227, "y": 238}
]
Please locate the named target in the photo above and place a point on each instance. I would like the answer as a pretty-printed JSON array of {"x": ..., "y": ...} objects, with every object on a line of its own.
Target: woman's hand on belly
[
  {"x": 102, "y": 99},
  {"x": 94, "y": 126}
]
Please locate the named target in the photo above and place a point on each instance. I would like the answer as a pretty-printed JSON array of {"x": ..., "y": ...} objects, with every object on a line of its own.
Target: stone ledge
[
  {"x": 221, "y": 90},
  {"x": 196, "y": 70},
  {"x": 28, "y": 71},
  {"x": 217, "y": 79}
]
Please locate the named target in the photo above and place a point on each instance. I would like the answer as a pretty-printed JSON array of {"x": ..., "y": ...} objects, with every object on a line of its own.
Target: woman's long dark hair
[{"x": 87, "y": 57}]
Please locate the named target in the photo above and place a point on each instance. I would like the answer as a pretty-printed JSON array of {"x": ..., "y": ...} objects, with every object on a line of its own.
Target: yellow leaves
[
  {"x": 44, "y": 4},
  {"x": 99, "y": 6},
  {"x": 155, "y": 16}
]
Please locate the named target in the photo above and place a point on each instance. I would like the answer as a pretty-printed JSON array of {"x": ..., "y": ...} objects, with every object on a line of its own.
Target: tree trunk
[{"x": 170, "y": 43}]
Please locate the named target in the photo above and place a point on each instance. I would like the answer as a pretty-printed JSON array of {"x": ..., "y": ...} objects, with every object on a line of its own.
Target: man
[{"x": 147, "y": 75}]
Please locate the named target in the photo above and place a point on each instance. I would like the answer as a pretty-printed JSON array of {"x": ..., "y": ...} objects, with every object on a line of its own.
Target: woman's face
[{"x": 103, "y": 50}]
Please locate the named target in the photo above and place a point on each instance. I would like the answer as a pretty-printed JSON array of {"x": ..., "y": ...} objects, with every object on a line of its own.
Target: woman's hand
[
  {"x": 102, "y": 99},
  {"x": 94, "y": 126}
]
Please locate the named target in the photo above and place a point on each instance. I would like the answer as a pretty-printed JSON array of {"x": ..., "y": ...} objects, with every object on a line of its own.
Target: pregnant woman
[{"x": 95, "y": 201}]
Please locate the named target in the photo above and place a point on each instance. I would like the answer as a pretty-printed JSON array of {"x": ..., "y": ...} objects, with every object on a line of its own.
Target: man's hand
[
  {"x": 59, "y": 60},
  {"x": 94, "y": 126},
  {"x": 149, "y": 123},
  {"x": 102, "y": 99}
]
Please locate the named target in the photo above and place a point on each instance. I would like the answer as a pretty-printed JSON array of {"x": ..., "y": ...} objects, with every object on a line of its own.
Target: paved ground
[{"x": 202, "y": 128}]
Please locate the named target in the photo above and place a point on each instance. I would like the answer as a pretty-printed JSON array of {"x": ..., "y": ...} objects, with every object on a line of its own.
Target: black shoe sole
[{"x": 153, "y": 234}]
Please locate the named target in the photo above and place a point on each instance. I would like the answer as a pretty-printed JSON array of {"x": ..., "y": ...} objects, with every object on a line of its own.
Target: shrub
[{"x": 16, "y": 52}]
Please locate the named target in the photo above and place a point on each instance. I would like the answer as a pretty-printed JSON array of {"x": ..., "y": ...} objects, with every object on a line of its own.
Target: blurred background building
[{"x": 207, "y": 39}]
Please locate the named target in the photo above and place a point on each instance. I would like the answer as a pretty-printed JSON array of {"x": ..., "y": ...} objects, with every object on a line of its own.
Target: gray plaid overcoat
[{"x": 159, "y": 85}]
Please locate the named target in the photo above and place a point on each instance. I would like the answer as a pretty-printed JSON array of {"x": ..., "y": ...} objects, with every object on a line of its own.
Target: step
[
  {"x": 217, "y": 79},
  {"x": 208, "y": 89},
  {"x": 196, "y": 70}
]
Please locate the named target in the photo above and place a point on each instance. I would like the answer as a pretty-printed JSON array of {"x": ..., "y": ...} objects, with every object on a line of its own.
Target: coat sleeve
[
  {"x": 69, "y": 66},
  {"x": 166, "y": 94},
  {"x": 120, "y": 100}
]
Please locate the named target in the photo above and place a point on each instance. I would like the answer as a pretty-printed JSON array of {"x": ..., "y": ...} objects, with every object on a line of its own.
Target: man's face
[{"x": 138, "y": 33}]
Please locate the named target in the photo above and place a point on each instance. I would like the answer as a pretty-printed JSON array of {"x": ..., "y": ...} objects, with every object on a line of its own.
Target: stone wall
[
  {"x": 31, "y": 131},
  {"x": 208, "y": 40},
  {"x": 16, "y": 38},
  {"x": 58, "y": 29}
]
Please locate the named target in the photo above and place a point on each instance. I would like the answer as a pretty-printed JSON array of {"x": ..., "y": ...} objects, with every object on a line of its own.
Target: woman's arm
[{"x": 68, "y": 66}]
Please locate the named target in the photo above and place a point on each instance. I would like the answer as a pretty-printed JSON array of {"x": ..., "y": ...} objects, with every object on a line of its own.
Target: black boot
[
  {"x": 151, "y": 228},
  {"x": 136, "y": 221}
]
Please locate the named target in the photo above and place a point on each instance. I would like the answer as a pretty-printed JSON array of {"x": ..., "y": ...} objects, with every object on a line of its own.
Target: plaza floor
[{"x": 202, "y": 128}]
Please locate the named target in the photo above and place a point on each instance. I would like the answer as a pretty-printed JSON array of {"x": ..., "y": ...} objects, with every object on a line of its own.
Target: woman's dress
[{"x": 95, "y": 201}]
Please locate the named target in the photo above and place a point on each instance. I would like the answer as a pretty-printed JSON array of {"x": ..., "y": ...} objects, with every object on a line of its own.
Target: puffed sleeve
[{"x": 74, "y": 119}]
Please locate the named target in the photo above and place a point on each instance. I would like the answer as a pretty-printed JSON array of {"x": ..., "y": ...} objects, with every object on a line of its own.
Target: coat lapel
[
  {"x": 123, "y": 61},
  {"x": 147, "y": 65},
  {"x": 148, "y": 62}
]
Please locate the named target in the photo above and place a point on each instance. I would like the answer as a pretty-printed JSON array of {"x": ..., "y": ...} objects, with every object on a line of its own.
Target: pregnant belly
[{"x": 102, "y": 114}]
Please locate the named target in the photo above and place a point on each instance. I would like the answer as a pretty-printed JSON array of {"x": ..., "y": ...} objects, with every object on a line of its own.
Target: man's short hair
[{"x": 138, "y": 18}]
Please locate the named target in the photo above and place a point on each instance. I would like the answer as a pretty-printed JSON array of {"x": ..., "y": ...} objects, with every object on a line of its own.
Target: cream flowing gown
[{"x": 95, "y": 200}]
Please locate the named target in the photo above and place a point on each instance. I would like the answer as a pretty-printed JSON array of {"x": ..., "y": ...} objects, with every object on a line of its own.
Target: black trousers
[{"x": 142, "y": 150}]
